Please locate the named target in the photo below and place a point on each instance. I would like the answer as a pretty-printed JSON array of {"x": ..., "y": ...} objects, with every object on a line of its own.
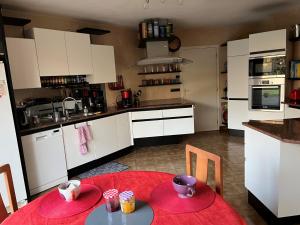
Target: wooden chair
[
  {"x": 5, "y": 170},
  {"x": 202, "y": 166}
]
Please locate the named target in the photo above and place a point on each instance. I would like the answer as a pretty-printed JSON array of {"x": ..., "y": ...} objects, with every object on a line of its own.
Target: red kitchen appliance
[
  {"x": 294, "y": 96},
  {"x": 126, "y": 99}
]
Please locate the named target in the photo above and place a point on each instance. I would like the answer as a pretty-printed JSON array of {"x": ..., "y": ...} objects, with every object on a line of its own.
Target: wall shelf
[
  {"x": 155, "y": 85},
  {"x": 88, "y": 30},
  {"x": 142, "y": 43},
  {"x": 159, "y": 72},
  {"x": 15, "y": 21}
]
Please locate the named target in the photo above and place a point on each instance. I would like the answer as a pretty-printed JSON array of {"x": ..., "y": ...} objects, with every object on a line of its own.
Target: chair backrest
[
  {"x": 5, "y": 170},
  {"x": 202, "y": 166}
]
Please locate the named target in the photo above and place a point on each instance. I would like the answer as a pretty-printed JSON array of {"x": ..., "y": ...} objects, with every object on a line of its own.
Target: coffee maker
[
  {"x": 93, "y": 98},
  {"x": 126, "y": 99}
]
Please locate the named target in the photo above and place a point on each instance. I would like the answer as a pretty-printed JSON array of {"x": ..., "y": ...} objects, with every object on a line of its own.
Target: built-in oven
[
  {"x": 267, "y": 66},
  {"x": 267, "y": 94}
]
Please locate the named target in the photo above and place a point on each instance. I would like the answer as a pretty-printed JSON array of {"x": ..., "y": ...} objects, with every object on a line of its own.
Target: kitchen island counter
[
  {"x": 272, "y": 153},
  {"x": 287, "y": 130},
  {"x": 144, "y": 105}
]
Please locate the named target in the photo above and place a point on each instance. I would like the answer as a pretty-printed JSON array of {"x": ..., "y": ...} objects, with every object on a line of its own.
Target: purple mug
[{"x": 185, "y": 186}]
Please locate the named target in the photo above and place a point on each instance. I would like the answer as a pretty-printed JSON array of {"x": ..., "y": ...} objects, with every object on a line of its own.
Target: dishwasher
[{"x": 45, "y": 160}]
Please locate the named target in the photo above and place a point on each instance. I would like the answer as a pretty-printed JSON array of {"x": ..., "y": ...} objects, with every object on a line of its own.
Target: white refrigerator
[{"x": 9, "y": 150}]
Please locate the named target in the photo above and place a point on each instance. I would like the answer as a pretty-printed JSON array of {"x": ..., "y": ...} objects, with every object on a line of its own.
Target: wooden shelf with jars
[
  {"x": 154, "y": 85},
  {"x": 160, "y": 69},
  {"x": 150, "y": 73}
]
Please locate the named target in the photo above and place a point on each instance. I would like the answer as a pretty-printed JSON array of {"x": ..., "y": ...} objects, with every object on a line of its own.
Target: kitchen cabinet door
[
  {"x": 266, "y": 41},
  {"x": 105, "y": 136},
  {"x": 79, "y": 53},
  {"x": 103, "y": 61},
  {"x": 178, "y": 112},
  {"x": 45, "y": 160},
  {"x": 72, "y": 148},
  {"x": 238, "y": 47},
  {"x": 51, "y": 51},
  {"x": 179, "y": 126},
  {"x": 124, "y": 133},
  {"x": 238, "y": 76},
  {"x": 23, "y": 63},
  {"x": 290, "y": 113},
  {"x": 237, "y": 114},
  {"x": 145, "y": 129},
  {"x": 145, "y": 115}
]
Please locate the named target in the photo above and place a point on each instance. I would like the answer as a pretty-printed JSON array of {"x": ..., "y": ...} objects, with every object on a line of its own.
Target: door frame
[{"x": 217, "y": 47}]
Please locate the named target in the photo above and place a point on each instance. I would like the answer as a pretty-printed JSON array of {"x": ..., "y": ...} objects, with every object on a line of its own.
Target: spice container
[
  {"x": 111, "y": 200},
  {"x": 155, "y": 28},
  {"x": 127, "y": 202}
]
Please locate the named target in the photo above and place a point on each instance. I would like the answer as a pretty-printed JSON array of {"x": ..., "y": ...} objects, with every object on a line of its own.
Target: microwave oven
[{"x": 267, "y": 66}]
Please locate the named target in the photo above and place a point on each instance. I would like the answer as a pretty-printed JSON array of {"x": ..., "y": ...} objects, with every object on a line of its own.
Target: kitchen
[{"x": 164, "y": 111}]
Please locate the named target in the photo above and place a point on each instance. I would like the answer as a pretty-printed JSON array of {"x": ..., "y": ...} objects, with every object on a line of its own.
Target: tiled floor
[{"x": 171, "y": 158}]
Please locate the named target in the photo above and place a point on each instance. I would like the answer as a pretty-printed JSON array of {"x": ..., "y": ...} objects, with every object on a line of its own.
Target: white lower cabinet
[
  {"x": 143, "y": 129},
  {"x": 237, "y": 114},
  {"x": 124, "y": 133},
  {"x": 104, "y": 132},
  {"x": 72, "y": 147},
  {"x": 156, "y": 123},
  {"x": 179, "y": 126},
  {"x": 290, "y": 113},
  {"x": 109, "y": 135},
  {"x": 44, "y": 159}
]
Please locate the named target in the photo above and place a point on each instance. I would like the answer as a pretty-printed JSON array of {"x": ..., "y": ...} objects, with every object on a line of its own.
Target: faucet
[{"x": 66, "y": 112}]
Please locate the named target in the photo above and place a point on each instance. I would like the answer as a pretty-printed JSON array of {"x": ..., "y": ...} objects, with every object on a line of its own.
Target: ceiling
[{"x": 130, "y": 12}]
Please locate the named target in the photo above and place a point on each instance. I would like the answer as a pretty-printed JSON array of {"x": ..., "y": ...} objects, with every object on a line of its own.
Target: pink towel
[{"x": 84, "y": 136}]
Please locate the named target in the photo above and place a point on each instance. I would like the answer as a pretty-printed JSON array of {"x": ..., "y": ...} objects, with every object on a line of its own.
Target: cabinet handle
[
  {"x": 41, "y": 137},
  {"x": 85, "y": 123}
]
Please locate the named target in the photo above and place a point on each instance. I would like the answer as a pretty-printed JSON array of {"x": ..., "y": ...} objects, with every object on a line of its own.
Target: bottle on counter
[
  {"x": 85, "y": 111},
  {"x": 169, "y": 29},
  {"x": 156, "y": 28},
  {"x": 150, "y": 29},
  {"x": 143, "y": 30}
]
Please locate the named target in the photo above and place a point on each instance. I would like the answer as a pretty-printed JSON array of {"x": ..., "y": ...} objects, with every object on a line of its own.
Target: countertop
[
  {"x": 287, "y": 130},
  {"x": 144, "y": 105}
]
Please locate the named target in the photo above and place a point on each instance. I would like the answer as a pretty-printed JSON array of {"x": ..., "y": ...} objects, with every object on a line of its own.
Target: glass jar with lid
[{"x": 127, "y": 202}]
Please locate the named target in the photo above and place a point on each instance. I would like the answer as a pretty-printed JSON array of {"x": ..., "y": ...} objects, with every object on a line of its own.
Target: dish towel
[{"x": 84, "y": 136}]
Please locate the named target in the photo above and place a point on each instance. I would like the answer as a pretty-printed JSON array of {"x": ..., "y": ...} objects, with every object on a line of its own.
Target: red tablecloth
[{"x": 142, "y": 183}]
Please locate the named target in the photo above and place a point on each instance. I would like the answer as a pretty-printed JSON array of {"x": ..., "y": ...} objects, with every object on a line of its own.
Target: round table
[{"x": 141, "y": 183}]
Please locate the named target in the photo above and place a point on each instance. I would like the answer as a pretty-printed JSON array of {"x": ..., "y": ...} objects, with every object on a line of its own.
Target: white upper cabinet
[
  {"x": 238, "y": 47},
  {"x": 238, "y": 68},
  {"x": 104, "y": 67},
  {"x": 79, "y": 53},
  {"x": 268, "y": 41},
  {"x": 51, "y": 51},
  {"x": 238, "y": 76},
  {"x": 23, "y": 63}
]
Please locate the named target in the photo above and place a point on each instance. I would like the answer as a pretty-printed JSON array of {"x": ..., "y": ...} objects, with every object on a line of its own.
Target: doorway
[{"x": 200, "y": 85}]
